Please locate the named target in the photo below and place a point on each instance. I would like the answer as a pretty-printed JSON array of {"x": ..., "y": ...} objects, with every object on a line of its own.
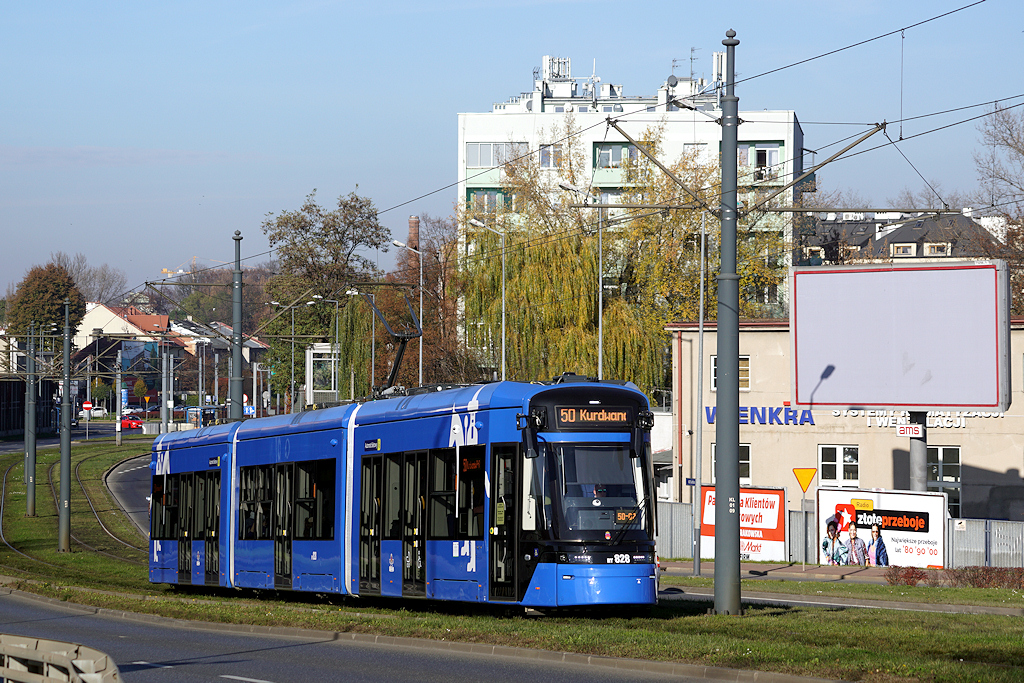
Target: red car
[{"x": 131, "y": 422}]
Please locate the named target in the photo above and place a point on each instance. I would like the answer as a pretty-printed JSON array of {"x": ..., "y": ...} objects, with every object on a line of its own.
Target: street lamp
[
  {"x": 291, "y": 360},
  {"x": 479, "y": 224},
  {"x": 420, "y": 254},
  {"x": 335, "y": 374},
  {"x": 600, "y": 278}
]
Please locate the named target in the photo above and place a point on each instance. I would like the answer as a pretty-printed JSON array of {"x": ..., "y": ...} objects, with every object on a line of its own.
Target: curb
[{"x": 710, "y": 673}]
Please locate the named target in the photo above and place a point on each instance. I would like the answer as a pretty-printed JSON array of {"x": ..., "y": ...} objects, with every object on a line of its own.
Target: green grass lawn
[{"x": 850, "y": 644}]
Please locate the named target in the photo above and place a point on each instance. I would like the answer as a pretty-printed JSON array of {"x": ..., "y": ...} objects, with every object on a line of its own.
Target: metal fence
[{"x": 969, "y": 542}]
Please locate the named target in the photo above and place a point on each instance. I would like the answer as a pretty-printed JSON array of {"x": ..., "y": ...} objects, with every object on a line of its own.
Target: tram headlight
[
  {"x": 643, "y": 558},
  {"x": 581, "y": 558}
]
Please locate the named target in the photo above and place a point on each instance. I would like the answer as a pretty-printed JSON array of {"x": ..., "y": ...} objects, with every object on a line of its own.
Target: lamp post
[
  {"x": 420, "y": 254},
  {"x": 480, "y": 224},
  {"x": 291, "y": 360},
  {"x": 335, "y": 374},
  {"x": 600, "y": 278}
]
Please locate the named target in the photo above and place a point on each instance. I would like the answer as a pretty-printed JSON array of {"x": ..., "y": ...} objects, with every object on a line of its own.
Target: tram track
[
  {"x": 79, "y": 541},
  {"x": 3, "y": 537}
]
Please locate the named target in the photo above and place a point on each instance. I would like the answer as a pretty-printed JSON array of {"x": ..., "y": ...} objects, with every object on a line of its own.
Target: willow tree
[{"x": 552, "y": 276}]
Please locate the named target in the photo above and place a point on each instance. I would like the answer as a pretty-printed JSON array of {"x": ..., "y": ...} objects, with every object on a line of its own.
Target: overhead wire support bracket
[{"x": 764, "y": 202}]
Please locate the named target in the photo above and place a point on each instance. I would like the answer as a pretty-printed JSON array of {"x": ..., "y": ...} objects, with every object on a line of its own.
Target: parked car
[
  {"x": 97, "y": 411},
  {"x": 131, "y": 422}
]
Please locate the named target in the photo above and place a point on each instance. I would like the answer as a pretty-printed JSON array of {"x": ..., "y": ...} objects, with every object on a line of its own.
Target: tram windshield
[{"x": 589, "y": 492}]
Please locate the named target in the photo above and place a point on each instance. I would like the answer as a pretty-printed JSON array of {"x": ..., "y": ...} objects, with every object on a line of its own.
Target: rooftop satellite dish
[
  {"x": 529, "y": 105},
  {"x": 672, "y": 81}
]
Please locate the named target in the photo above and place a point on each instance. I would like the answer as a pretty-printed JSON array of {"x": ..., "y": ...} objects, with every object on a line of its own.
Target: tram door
[
  {"x": 503, "y": 521},
  {"x": 414, "y": 534},
  {"x": 370, "y": 524},
  {"x": 282, "y": 525},
  {"x": 211, "y": 528},
  {"x": 185, "y": 527}
]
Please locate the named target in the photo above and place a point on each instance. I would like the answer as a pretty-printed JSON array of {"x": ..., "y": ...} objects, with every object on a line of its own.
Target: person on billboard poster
[
  {"x": 831, "y": 547},
  {"x": 877, "y": 555},
  {"x": 856, "y": 551}
]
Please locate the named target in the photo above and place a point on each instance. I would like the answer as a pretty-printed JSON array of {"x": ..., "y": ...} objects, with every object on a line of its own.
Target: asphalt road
[
  {"x": 162, "y": 652},
  {"x": 129, "y": 482}
]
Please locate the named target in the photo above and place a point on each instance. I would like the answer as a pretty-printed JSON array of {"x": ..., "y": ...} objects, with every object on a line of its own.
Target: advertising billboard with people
[{"x": 881, "y": 528}]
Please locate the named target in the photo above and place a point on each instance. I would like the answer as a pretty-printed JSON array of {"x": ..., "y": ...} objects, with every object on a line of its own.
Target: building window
[
  {"x": 613, "y": 155},
  {"x": 486, "y": 200},
  {"x": 839, "y": 465},
  {"x": 744, "y": 464},
  {"x": 944, "y": 474},
  {"x": 766, "y": 161},
  {"x": 903, "y": 249},
  {"x": 550, "y": 156},
  {"x": 937, "y": 249},
  {"x": 744, "y": 373},
  {"x": 583, "y": 109},
  {"x": 491, "y": 154}
]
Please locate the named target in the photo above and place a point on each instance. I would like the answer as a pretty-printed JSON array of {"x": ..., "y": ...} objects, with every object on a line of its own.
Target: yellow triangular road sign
[{"x": 805, "y": 475}]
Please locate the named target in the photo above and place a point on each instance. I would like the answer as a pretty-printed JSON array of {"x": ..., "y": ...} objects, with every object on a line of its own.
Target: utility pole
[
  {"x": 30, "y": 426},
  {"x": 117, "y": 398},
  {"x": 235, "y": 383},
  {"x": 64, "y": 504},
  {"x": 163, "y": 390},
  {"x": 727, "y": 421}
]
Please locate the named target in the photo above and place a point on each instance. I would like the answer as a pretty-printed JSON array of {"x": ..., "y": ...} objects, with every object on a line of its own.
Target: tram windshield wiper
[{"x": 635, "y": 514}]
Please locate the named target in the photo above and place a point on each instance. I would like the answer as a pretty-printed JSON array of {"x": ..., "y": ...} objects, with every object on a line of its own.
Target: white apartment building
[{"x": 770, "y": 152}]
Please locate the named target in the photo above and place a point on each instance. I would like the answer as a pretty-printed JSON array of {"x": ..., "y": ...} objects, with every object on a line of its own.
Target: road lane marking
[
  {"x": 154, "y": 666},
  {"x": 247, "y": 680}
]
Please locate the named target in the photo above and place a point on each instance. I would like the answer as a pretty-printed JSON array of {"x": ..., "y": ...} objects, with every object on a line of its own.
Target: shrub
[
  {"x": 986, "y": 577},
  {"x": 906, "y": 576}
]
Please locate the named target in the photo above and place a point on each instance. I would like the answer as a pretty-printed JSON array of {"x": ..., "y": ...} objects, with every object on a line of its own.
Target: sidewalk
[{"x": 784, "y": 571}]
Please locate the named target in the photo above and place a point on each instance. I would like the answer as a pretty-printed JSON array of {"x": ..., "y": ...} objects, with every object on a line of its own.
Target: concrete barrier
[{"x": 35, "y": 660}]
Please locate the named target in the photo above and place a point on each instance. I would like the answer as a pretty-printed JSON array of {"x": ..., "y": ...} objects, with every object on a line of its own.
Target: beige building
[{"x": 975, "y": 457}]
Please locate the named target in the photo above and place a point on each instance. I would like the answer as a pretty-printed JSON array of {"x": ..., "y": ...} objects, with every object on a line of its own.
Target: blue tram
[{"x": 533, "y": 494}]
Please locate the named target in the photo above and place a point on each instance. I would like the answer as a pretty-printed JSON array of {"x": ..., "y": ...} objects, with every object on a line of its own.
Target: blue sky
[{"x": 144, "y": 134}]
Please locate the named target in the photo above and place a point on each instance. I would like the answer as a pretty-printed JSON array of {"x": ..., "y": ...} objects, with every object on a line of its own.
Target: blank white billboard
[{"x": 917, "y": 336}]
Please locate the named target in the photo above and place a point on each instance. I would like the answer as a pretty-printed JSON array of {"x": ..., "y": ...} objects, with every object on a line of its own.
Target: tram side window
[
  {"x": 392, "y": 530},
  {"x": 314, "y": 499},
  {"x": 442, "y": 493},
  {"x": 255, "y": 500},
  {"x": 471, "y": 492},
  {"x": 164, "y": 514}
]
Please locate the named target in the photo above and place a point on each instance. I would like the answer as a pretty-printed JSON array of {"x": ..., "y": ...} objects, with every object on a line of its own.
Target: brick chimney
[{"x": 414, "y": 232}]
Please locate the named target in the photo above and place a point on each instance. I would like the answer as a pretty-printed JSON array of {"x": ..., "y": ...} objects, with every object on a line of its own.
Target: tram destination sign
[{"x": 593, "y": 418}]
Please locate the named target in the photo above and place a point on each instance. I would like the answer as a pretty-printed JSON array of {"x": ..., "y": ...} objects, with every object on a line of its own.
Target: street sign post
[
  {"x": 804, "y": 476},
  {"x": 87, "y": 409}
]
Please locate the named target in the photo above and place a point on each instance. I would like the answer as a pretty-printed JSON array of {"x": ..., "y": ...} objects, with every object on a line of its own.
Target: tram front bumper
[{"x": 632, "y": 584}]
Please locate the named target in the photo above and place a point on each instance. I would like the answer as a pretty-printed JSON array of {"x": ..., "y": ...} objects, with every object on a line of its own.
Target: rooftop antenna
[{"x": 693, "y": 58}]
